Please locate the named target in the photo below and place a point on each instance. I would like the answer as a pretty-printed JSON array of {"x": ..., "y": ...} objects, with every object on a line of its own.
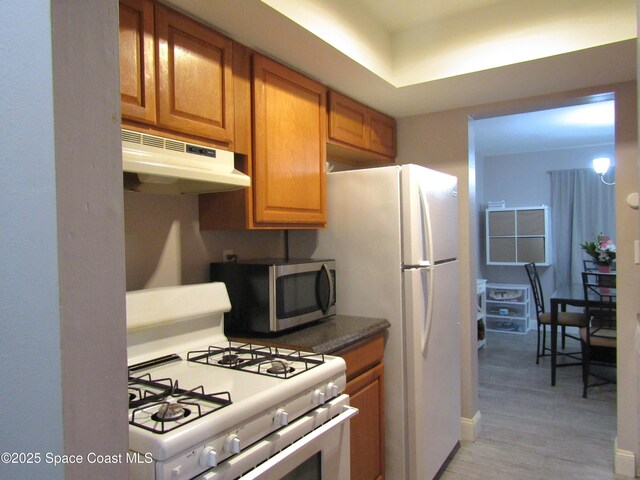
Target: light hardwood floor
[{"x": 530, "y": 430}]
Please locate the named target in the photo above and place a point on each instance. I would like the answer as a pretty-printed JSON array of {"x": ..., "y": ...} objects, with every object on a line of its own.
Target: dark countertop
[{"x": 326, "y": 337}]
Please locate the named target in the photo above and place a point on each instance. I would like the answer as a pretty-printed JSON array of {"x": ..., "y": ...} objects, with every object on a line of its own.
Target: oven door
[{"x": 314, "y": 447}]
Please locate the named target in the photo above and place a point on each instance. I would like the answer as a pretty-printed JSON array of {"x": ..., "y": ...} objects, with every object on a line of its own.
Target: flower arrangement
[{"x": 601, "y": 249}]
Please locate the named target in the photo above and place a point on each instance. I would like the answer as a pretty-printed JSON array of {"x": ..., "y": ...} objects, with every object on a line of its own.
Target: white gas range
[{"x": 203, "y": 407}]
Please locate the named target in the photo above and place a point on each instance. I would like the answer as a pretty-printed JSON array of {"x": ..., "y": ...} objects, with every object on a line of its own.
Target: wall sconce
[{"x": 601, "y": 165}]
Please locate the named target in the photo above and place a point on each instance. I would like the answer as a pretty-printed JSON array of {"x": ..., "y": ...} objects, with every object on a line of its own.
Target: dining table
[{"x": 570, "y": 294}]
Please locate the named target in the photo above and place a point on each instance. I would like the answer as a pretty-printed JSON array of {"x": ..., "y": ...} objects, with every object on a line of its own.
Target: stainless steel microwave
[{"x": 272, "y": 295}]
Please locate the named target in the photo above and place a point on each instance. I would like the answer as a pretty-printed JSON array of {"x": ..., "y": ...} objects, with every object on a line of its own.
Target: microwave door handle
[
  {"x": 332, "y": 292},
  {"x": 326, "y": 305}
]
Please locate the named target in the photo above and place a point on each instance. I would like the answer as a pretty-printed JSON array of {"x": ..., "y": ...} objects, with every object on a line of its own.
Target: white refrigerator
[{"x": 393, "y": 233}]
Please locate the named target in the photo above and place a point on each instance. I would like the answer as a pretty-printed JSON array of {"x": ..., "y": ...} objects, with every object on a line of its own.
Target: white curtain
[{"x": 581, "y": 208}]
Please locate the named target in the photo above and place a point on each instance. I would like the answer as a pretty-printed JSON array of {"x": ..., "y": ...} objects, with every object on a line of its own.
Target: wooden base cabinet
[{"x": 365, "y": 386}]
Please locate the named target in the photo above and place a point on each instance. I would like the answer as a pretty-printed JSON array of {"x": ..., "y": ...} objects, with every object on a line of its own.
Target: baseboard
[
  {"x": 624, "y": 462},
  {"x": 470, "y": 427}
]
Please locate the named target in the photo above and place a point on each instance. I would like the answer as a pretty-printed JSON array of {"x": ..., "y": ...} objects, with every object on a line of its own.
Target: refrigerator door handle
[
  {"x": 428, "y": 318},
  {"x": 417, "y": 266},
  {"x": 427, "y": 239}
]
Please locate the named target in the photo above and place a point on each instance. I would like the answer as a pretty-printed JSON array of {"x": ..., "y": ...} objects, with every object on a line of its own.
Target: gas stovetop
[
  {"x": 192, "y": 398},
  {"x": 159, "y": 404},
  {"x": 190, "y": 388}
]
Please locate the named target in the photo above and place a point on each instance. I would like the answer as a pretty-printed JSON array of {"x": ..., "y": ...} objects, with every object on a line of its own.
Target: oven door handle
[{"x": 301, "y": 443}]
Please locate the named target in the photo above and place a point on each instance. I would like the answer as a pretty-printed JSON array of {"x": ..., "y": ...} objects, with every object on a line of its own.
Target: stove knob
[
  {"x": 332, "y": 390},
  {"x": 281, "y": 418},
  {"x": 318, "y": 397},
  {"x": 232, "y": 444},
  {"x": 208, "y": 457}
]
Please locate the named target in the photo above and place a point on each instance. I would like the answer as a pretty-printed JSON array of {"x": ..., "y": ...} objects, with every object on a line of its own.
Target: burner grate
[
  {"x": 258, "y": 359},
  {"x": 160, "y": 405}
]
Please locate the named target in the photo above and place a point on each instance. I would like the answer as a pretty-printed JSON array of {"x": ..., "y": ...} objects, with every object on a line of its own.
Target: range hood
[{"x": 154, "y": 164}]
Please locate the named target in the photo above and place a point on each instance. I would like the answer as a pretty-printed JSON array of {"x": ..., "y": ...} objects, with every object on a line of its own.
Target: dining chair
[
  {"x": 599, "y": 336},
  {"x": 565, "y": 319}
]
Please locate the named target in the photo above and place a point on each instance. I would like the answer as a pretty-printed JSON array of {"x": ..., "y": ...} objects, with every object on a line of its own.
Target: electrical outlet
[{"x": 227, "y": 255}]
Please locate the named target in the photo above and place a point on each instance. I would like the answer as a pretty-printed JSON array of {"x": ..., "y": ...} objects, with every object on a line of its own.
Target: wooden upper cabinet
[
  {"x": 382, "y": 134},
  {"x": 348, "y": 120},
  {"x": 289, "y": 128},
  {"x": 362, "y": 134},
  {"x": 195, "y": 77},
  {"x": 137, "y": 64}
]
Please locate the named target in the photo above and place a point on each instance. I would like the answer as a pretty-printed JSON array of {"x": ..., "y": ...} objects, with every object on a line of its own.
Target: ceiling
[
  {"x": 404, "y": 14},
  {"x": 552, "y": 129},
  {"x": 408, "y": 57}
]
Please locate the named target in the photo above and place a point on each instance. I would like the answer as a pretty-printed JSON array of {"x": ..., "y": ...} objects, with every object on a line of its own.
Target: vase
[{"x": 605, "y": 282}]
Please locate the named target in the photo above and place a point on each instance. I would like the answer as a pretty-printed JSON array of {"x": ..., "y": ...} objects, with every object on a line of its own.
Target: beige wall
[
  {"x": 164, "y": 245},
  {"x": 440, "y": 140},
  {"x": 90, "y": 238}
]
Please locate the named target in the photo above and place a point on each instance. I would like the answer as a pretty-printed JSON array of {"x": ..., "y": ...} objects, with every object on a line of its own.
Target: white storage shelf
[
  {"x": 508, "y": 308},
  {"x": 481, "y": 291},
  {"x": 516, "y": 236}
]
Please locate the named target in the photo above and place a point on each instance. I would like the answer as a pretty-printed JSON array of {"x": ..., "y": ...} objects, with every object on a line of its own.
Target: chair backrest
[
  {"x": 589, "y": 265},
  {"x": 600, "y": 298},
  {"x": 536, "y": 287}
]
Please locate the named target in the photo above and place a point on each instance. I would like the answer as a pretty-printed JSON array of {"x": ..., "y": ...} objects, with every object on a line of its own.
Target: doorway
[
  {"x": 514, "y": 154},
  {"x": 516, "y": 158}
]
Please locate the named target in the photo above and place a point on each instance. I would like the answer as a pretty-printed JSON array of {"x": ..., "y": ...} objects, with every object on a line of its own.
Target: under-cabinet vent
[
  {"x": 133, "y": 137},
  {"x": 164, "y": 165},
  {"x": 154, "y": 141},
  {"x": 175, "y": 146}
]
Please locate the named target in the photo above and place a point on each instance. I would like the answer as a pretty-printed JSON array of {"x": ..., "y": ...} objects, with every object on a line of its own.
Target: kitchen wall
[
  {"x": 164, "y": 245},
  {"x": 521, "y": 180},
  {"x": 440, "y": 140},
  {"x": 62, "y": 298}
]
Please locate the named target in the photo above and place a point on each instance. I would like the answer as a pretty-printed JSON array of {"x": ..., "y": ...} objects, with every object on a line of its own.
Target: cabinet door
[
  {"x": 137, "y": 61},
  {"x": 382, "y": 134},
  {"x": 502, "y": 223},
  {"x": 348, "y": 120},
  {"x": 289, "y": 146},
  {"x": 531, "y": 222},
  {"x": 531, "y": 249},
  {"x": 367, "y": 428},
  {"x": 502, "y": 250},
  {"x": 195, "y": 77}
]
